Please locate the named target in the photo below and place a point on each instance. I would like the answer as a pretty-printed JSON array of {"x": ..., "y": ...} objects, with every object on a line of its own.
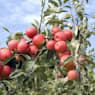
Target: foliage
[{"x": 38, "y": 76}]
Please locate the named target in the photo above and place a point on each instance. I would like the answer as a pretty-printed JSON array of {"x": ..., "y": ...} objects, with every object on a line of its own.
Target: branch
[{"x": 42, "y": 9}]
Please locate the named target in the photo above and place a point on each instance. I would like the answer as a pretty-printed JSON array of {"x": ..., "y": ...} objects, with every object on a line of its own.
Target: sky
[{"x": 17, "y": 16}]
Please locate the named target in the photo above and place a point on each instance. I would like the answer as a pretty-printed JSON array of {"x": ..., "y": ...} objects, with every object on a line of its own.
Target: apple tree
[{"x": 51, "y": 57}]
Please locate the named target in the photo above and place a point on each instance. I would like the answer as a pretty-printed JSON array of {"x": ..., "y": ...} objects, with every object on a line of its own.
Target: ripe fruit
[
  {"x": 59, "y": 74},
  {"x": 73, "y": 75},
  {"x": 50, "y": 44},
  {"x": 69, "y": 34},
  {"x": 1, "y": 67},
  {"x": 6, "y": 71},
  {"x": 60, "y": 54},
  {"x": 5, "y": 53},
  {"x": 31, "y": 32},
  {"x": 56, "y": 29},
  {"x": 12, "y": 45},
  {"x": 22, "y": 46},
  {"x": 69, "y": 65},
  {"x": 60, "y": 46},
  {"x": 60, "y": 36},
  {"x": 33, "y": 49},
  {"x": 82, "y": 59},
  {"x": 38, "y": 40}
]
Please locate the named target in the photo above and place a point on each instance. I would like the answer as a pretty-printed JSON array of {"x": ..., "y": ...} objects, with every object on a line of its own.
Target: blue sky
[{"x": 17, "y": 16}]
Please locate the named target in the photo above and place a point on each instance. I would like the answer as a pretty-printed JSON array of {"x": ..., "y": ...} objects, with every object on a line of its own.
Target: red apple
[
  {"x": 50, "y": 44},
  {"x": 60, "y": 46},
  {"x": 5, "y": 53},
  {"x": 1, "y": 67},
  {"x": 38, "y": 40},
  {"x": 73, "y": 75},
  {"x": 33, "y": 49},
  {"x": 22, "y": 46},
  {"x": 69, "y": 65},
  {"x": 31, "y": 32},
  {"x": 55, "y": 30},
  {"x": 60, "y": 36},
  {"x": 82, "y": 59},
  {"x": 59, "y": 74},
  {"x": 60, "y": 54},
  {"x": 12, "y": 45},
  {"x": 69, "y": 34},
  {"x": 6, "y": 71}
]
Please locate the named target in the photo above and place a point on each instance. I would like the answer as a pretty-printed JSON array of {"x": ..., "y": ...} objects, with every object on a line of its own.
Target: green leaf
[
  {"x": 67, "y": 16},
  {"x": 34, "y": 25},
  {"x": 68, "y": 60},
  {"x": 9, "y": 59},
  {"x": 87, "y": 1},
  {"x": 26, "y": 56},
  {"x": 65, "y": 1},
  {"x": 60, "y": 3},
  {"x": 37, "y": 23},
  {"x": 68, "y": 7},
  {"x": 19, "y": 34},
  {"x": 6, "y": 29},
  {"x": 16, "y": 74},
  {"x": 54, "y": 3}
]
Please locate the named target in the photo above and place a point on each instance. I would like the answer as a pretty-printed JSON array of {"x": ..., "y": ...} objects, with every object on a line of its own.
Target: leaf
[
  {"x": 55, "y": 21},
  {"x": 34, "y": 25},
  {"x": 9, "y": 59},
  {"x": 16, "y": 74},
  {"x": 65, "y": 1},
  {"x": 68, "y": 7},
  {"x": 26, "y": 56},
  {"x": 87, "y": 1},
  {"x": 54, "y": 3},
  {"x": 60, "y": 3},
  {"x": 37, "y": 23},
  {"x": 19, "y": 34},
  {"x": 6, "y": 29},
  {"x": 68, "y": 60},
  {"x": 67, "y": 16}
]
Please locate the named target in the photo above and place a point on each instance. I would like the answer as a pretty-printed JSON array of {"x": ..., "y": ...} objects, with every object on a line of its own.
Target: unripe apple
[
  {"x": 1, "y": 67},
  {"x": 73, "y": 75},
  {"x": 60, "y": 36},
  {"x": 69, "y": 65},
  {"x": 31, "y": 32},
  {"x": 60, "y": 54},
  {"x": 50, "y": 44},
  {"x": 5, "y": 53},
  {"x": 33, "y": 49},
  {"x": 69, "y": 34},
  {"x": 6, "y": 71},
  {"x": 12, "y": 45},
  {"x": 60, "y": 46},
  {"x": 22, "y": 46},
  {"x": 82, "y": 59},
  {"x": 38, "y": 40},
  {"x": 55, "y": 30}
]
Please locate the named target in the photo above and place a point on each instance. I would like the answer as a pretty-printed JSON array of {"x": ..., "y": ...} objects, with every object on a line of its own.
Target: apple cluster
[
  {"x": 62, "y": 51},
  {"x": 23, "y": 46}
]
